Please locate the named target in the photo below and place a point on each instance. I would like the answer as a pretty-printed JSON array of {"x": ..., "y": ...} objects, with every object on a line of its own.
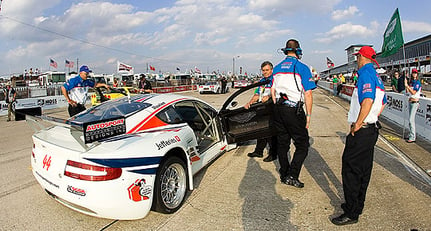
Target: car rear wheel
[{"x": 170, "y": 186}]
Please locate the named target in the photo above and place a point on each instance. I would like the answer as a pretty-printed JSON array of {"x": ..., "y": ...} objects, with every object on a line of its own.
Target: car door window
[
  {"x": 170, "y": 116},
  {"x": 202, "y": 119}
]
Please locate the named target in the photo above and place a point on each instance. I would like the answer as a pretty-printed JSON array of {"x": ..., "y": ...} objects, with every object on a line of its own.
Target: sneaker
[
  {"x": 255, "y": 154},
  {"x": 410, "y": 141},
  {"x": 290, "y": 180}
]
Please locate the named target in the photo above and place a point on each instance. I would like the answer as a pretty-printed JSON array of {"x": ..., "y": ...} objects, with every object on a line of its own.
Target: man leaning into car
[{"x": 75, "y": 90}]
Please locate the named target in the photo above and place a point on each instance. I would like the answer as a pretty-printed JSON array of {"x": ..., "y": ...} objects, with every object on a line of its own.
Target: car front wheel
[{"x": 170, "y": 185}]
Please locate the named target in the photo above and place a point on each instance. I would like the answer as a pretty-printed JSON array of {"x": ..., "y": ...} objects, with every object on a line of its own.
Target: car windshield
[{"x": 113, "y": 109}]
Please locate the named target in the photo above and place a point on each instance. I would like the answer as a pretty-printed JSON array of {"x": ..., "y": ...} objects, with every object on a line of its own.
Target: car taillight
[
  {"x": 89, "y": 172},
  {"x": 32, "y": 153}
]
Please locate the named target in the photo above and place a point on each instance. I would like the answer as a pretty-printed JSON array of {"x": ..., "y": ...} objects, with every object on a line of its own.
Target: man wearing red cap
[
  {"x": 414, "y": 90},
  {"x": 368, "y": 100}
]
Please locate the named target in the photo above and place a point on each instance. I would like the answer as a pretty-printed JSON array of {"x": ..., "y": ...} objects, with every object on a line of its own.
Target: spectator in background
[
  {"x": 355, "y": 77},
  {"x": 414, "y": 90},
  {"x": 115, "y": 82},
  {"x": 334, "y": 83},
  {"x": 144, "y": 85},
  {"x": 401, "y": 86},
  {"x": 10, "y": 97},
  {"x": 394, "y": 81}
]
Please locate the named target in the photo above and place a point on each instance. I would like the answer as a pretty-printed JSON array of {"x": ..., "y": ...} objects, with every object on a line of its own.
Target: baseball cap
[
  {"x": 368, "y": 52},
  {"x": 414, "y": 70},
  {"x": 84, "y": 68}
]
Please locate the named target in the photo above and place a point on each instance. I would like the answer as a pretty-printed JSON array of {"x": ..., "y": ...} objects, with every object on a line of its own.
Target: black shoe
[
  {"x": 270, "y": 158},
  {"x": 290, "y": 180},
  {"x": 343, "y": 219},
  {"x": 255, "y": 154}
]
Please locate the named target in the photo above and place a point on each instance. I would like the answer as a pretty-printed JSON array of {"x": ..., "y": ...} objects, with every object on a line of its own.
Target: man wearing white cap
[
  {"x": 368, "y": 101},
  {"x": 10, "y": 96},
  {"x": 75, "y": 90}
]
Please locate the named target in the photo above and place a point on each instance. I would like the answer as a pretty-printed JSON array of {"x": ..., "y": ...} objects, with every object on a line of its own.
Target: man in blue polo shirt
[
  {"x": 367, "y": 102},
  {"x": 292, "y": 87},
  {"x": 75, "y": 90}
]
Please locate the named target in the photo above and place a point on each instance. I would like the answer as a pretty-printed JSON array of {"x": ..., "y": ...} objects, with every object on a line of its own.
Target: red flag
[
  {"x": 152, "y": 68},
  {"x": 329, "y": 63},
  {"x": 52, "y": 63}
]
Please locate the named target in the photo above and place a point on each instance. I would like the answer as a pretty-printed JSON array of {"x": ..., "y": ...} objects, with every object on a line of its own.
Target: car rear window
[{"x": 113, "y": 109}]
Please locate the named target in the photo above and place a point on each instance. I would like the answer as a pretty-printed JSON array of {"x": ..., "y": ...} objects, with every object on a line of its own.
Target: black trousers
[
  {"x": 290, "y": 126},
  {"x": 261, "y": 144},
  {"x": 75, "y": 110},
  {"x": 357, "y": 163}
]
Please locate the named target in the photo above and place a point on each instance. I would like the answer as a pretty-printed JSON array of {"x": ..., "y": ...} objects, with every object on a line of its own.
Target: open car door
[{"x": 240, "y": 124}]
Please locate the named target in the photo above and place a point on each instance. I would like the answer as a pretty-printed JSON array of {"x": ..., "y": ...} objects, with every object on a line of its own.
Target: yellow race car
[{"x": 102, "y": 94}]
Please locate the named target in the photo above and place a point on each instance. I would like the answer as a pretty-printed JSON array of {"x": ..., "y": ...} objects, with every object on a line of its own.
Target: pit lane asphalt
[{"x": 240, "y": 193}]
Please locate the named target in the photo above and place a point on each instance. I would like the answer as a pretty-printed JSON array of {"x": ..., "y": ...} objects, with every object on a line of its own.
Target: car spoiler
[{"x": 93, "y": 132}]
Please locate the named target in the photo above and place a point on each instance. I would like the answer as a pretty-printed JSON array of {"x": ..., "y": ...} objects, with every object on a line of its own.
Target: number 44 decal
[{"x": 47, "y": 162}]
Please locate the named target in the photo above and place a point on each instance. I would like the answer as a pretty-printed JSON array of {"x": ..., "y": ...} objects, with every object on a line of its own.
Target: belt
[
  {"x": 290, "y": 103},
  {"x": 367, "y": 125},
  {"x": 372, "y": 125}
]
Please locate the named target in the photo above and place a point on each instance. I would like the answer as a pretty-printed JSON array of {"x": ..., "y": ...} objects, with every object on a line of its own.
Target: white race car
[
  {"x": 126, "y": 156},
  {"x": 212, "y": 87}
]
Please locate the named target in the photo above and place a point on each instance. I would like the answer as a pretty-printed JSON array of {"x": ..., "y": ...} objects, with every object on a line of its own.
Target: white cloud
[
  {"x": 347, "y": 13},
  {"x": 421, "y": 27},
  {"x": 322, "y": 52},
  {"x": 290, "y": 7},
  {"x": 348, "y": 30}
]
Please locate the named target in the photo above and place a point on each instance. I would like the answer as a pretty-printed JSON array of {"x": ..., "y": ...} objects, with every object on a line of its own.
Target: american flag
[
  {"x": 69, "y": 63},
  {"x": 329, "y": 63},
  {"x": 52, "y": 63},
  {"x": 197, "y": 70}
]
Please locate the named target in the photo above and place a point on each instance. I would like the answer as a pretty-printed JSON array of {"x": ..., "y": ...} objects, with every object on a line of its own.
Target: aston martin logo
[{"x": 244, "y": 117}]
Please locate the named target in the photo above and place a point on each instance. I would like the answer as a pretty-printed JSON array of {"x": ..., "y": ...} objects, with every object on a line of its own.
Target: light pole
[{"x": 233, "y": 65}]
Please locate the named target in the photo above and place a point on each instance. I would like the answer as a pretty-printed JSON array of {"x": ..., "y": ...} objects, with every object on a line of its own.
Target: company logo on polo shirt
[{"x": 367, "y": 88}]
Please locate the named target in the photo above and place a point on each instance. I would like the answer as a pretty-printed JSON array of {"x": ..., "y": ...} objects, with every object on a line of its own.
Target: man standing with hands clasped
[
  {"x": 367, "y": 102},
  {"x": 292, "y": 86},
  {"x": 75, "y": 90}
]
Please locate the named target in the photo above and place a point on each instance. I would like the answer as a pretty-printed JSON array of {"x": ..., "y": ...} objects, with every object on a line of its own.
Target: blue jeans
[{"x": 412, "y": 127}]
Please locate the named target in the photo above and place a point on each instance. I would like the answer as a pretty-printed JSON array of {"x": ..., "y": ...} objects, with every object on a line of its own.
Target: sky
[{"x": 210, "y": 35}]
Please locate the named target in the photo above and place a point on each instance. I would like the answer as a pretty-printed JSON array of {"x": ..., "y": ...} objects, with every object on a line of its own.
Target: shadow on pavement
[
  {"x": 324, "y": 177},
  {"x": 263, "y": 208}
]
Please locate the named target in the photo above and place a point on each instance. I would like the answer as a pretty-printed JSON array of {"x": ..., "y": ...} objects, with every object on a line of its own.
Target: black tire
[{"x": 170, "y": 187}]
